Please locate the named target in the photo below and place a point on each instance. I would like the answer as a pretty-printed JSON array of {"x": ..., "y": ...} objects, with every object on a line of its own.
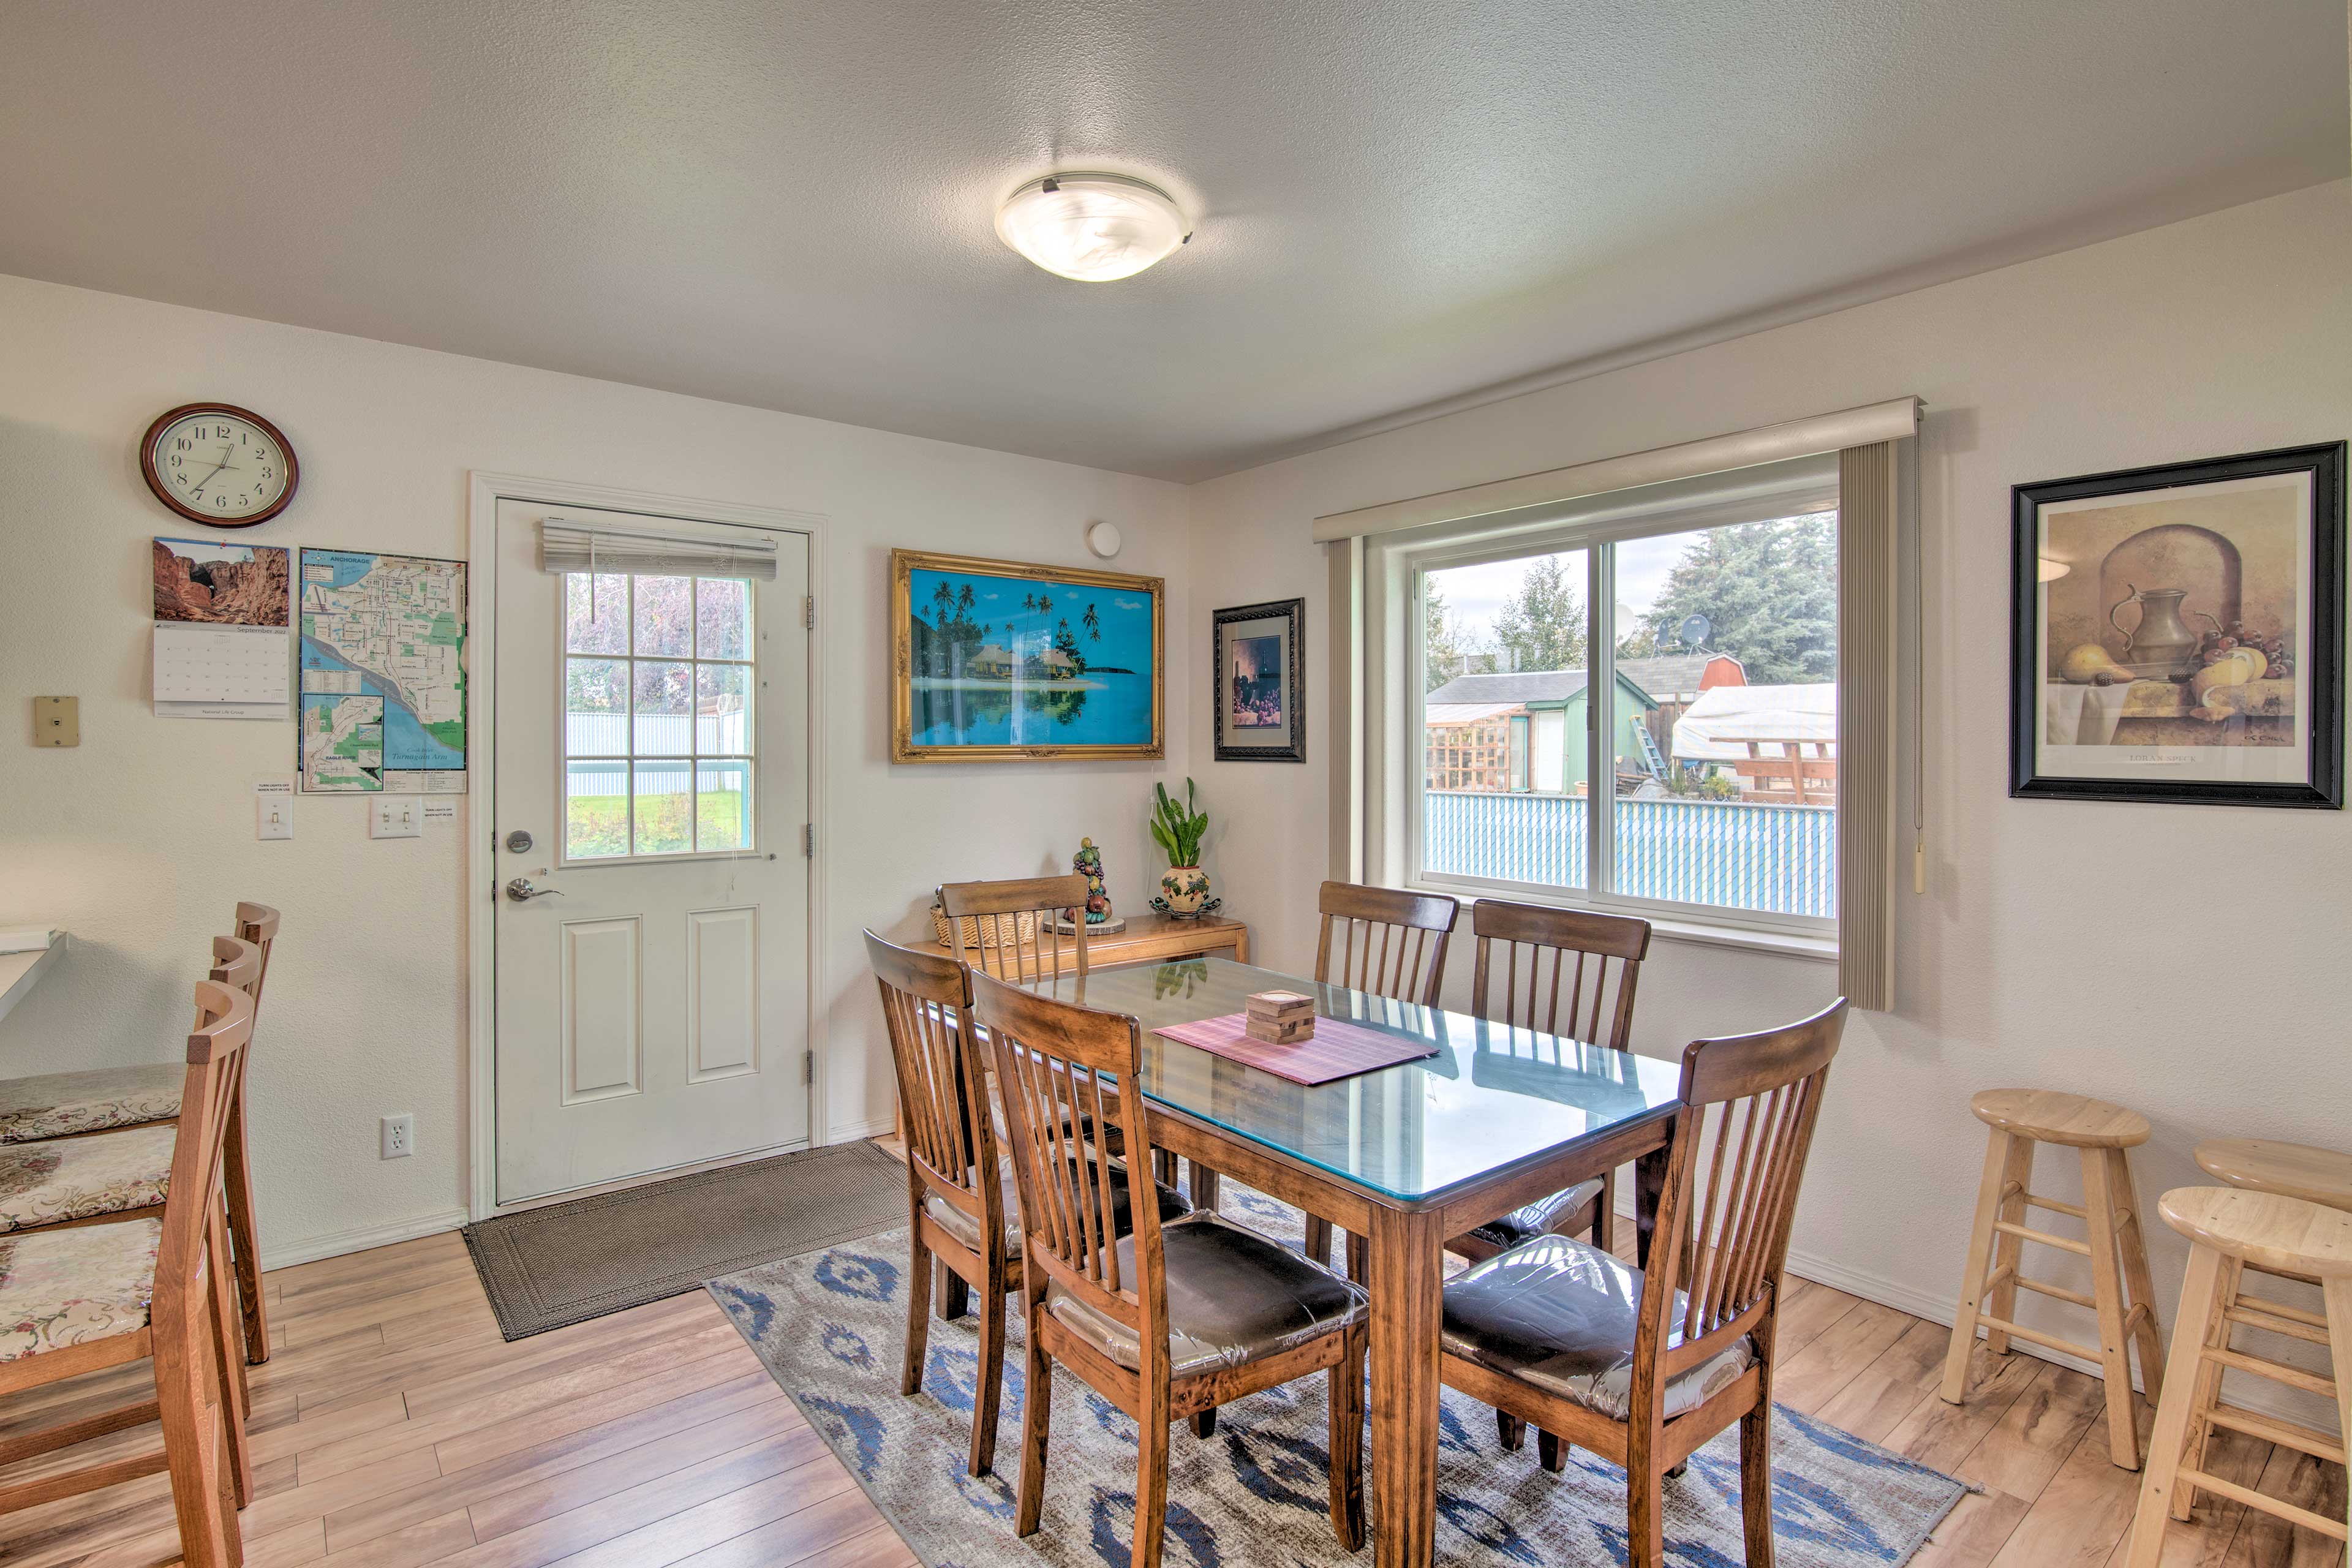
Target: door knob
[{"x": 522, "y": 893}]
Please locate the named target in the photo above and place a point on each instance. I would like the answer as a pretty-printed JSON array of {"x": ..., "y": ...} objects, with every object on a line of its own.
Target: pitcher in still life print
[{"x": 2179, "y": 612}]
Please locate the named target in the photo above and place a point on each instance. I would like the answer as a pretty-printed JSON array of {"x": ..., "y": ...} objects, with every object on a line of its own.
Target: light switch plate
[
  {"x": 274, "y": 814},
  {"x": 56, "y": 720},
  {"x": 395, "y": 817}
]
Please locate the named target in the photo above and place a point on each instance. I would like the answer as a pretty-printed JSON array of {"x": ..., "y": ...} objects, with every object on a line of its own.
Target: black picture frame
[
  {"x": 1289, "y": 743},
  {"x": 2320, "y": 656}
]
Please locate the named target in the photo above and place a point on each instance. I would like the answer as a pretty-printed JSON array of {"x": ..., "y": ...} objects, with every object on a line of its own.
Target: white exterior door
[{"x": 651, "y": 739}]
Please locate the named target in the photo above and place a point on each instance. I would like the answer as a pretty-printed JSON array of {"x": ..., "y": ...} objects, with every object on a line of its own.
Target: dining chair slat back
[
  {"x": 1051, "y": 1061},
  {"x": 1532, "y": 960},
  {"x": 256, "y": 929},
  {"x": 1749, "y": 1106},
  {"x": 926, "y": 1010},
  {"x": 951, "y": 1158},
  {"x": 1707, "y": 1295},
  {"x": 1568, "y": 977},
  {"x": 257, "y": 923},
  {"x": 985, "y": 926},
  {"x": 1385, "y": 942}
]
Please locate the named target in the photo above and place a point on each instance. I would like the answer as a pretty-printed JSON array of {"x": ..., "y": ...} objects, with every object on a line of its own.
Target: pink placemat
[{"x": 1338, "y": 1049}]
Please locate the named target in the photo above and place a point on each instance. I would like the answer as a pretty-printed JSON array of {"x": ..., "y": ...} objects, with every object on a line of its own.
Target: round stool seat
[
  {"x": 2277, "y": 1234},
  {"x": 2293, "y": 1170},
  {"x": 2047, "y": 1116}
]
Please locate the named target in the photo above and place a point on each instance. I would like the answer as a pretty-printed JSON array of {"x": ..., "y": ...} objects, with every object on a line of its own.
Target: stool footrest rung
[
  {"x": 2288, "y": 1434},
  {"x": 2271, "y": 1323},
  {"x": 2035, "y": 1200},
  {"x": 2277, "y": 1507},
  {"x": 2280, "y": 1309},
  {"x": 2026, "y": 1232},
  {"x": 2277, "y": 1371},
  {"x": 1996, "y": 1279},
  {"x": 2059, "y": 1292},
  {"x": 2036, "y": 1336}
]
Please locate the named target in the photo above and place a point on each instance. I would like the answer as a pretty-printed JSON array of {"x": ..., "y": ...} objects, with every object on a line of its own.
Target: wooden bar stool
[
  {"x": 2231, "y": 1229},
  {"x": 2121, "y": 1293},
  {"x": 2322, "y": 1176}
]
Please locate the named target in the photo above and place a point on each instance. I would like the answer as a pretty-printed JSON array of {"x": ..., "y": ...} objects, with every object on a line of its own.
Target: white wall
[
  {"x": 2187, "y": 961},
  {"x": 140, "y": 840}
]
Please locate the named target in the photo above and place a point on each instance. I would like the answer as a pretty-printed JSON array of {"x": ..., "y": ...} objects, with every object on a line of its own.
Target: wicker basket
[{"x": 978, "y": 933}]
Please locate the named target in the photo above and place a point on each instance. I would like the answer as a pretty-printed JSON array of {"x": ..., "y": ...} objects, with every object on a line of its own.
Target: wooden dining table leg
[{"x": 1408, "y": 1279}]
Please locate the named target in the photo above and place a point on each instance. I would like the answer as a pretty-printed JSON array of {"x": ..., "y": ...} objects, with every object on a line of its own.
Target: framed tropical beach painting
[
  {"x": 1261, "y": 696},
  {"x": 998, "y": 661}
]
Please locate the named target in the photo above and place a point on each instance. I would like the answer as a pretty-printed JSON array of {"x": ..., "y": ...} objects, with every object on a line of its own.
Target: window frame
[
  {"x": 629, "y": 759},
  {"x": 1408, "y": 565}
]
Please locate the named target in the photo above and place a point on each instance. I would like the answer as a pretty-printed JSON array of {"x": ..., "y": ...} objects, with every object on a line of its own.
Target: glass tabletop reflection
[{"x": 1490, "y": 1098}]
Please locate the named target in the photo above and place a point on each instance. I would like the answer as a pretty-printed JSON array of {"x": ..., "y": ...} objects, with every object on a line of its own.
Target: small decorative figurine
[
  {"x": 1100, "y": 921},
  {"x": 1087, "y": 863}
]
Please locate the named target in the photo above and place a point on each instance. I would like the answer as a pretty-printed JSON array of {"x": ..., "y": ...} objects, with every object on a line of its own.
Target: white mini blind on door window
[{"x": 565, "y": 546}]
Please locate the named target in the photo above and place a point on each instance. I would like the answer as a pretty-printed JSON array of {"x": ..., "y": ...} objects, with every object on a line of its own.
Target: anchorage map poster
[{"x": 382, "y": 698}]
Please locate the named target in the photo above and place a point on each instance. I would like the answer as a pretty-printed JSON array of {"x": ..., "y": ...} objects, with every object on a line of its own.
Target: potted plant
[{"x": 1179, "y": 829}]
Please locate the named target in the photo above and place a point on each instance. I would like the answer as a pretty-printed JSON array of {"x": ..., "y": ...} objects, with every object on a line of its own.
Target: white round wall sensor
[{"x": 1102, "y": 538}]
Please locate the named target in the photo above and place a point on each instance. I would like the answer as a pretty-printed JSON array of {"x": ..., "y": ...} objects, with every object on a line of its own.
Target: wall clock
[{"x": 219, "y": 465}]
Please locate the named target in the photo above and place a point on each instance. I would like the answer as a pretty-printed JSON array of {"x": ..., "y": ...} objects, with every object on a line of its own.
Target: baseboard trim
[
  {"x": 336, "y": 1244},
  {"x": 856, "y": 1129}
]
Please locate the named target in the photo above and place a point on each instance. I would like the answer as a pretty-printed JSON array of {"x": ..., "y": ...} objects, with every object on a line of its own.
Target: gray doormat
[{"x": 547, "y": 1267}]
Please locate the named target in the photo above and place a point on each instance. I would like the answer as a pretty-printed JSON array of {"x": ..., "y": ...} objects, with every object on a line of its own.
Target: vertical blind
[{"x": 1866, "y": 744}]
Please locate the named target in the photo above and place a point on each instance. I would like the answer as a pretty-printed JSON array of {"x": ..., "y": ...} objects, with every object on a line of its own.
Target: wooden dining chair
[
  {"x": 1639, "y": 1366},
  {"x": 52, "y": 1107},
  {"x": 255, "y": 923},
  {"x": 1169, "y": 1321},
  {"x": 962, "y": 1211},
  {"x": 992, "y": 943},
  {"x": 1530, "y": 959},
  {"x": 1387, "y": 942},
  {"x": 955, "y": 1191},
  {"x": 82, "y": 1298}
]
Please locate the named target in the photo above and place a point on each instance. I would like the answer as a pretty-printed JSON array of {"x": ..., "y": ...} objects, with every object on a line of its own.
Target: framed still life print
[
  {"x": 996, "y": 661},
  {"x": 2178, "y": 633},
  {"x": 1261, "y": 691}
]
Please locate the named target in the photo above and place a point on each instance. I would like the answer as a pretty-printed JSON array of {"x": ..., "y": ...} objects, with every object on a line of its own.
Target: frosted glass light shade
[{"x": 1092, "y": 227}]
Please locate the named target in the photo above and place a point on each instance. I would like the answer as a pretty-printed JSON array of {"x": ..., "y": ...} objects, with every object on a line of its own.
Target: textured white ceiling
[{"x": 1398, "y": 201}]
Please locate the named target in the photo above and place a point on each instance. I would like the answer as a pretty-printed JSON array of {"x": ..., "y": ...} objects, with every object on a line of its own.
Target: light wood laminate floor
[{"x": 393, "y": 1428}]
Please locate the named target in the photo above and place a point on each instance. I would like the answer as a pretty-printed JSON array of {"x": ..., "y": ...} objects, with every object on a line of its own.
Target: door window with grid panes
[{"x": 658, "y": 678}]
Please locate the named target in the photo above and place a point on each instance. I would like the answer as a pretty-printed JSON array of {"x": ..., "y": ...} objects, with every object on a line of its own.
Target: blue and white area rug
[{"x": 830, "y": 1327}]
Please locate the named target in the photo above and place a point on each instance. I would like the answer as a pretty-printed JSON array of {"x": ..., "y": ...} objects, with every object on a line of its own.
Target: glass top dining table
[{"x": 1490, "y": 1098}]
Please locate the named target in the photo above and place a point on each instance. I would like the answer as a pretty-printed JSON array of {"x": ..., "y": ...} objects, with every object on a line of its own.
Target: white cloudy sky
[{"x": 1474, "y": 594}]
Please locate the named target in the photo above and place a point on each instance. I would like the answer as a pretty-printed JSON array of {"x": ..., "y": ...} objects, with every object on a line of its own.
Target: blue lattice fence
[{"x": 1781, "y": 859}]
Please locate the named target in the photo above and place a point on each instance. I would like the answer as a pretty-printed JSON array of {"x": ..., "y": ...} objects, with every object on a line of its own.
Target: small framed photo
[
  {"x": 2178, "y": 633},
  {"x": 1260, "y": 682}
]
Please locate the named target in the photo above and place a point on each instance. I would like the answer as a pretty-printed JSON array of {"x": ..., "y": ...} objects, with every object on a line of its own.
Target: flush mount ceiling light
[{"x": 1093, "y": 227}]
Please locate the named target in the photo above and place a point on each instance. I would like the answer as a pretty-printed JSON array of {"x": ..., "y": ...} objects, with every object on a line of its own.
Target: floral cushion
[
  {"x": 61, "y": 1288},
  {"x": 58, "y": 1104},
  {"x": 74, "y": 1178}
]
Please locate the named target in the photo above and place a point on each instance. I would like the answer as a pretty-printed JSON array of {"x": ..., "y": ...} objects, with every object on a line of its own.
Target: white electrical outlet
[
  {"x": 396, "y": 817},
  {"x": 399, "y": 1136}
]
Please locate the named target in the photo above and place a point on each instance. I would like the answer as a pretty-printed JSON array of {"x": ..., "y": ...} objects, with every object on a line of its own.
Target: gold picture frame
[{"x": 998, "y": 677}]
